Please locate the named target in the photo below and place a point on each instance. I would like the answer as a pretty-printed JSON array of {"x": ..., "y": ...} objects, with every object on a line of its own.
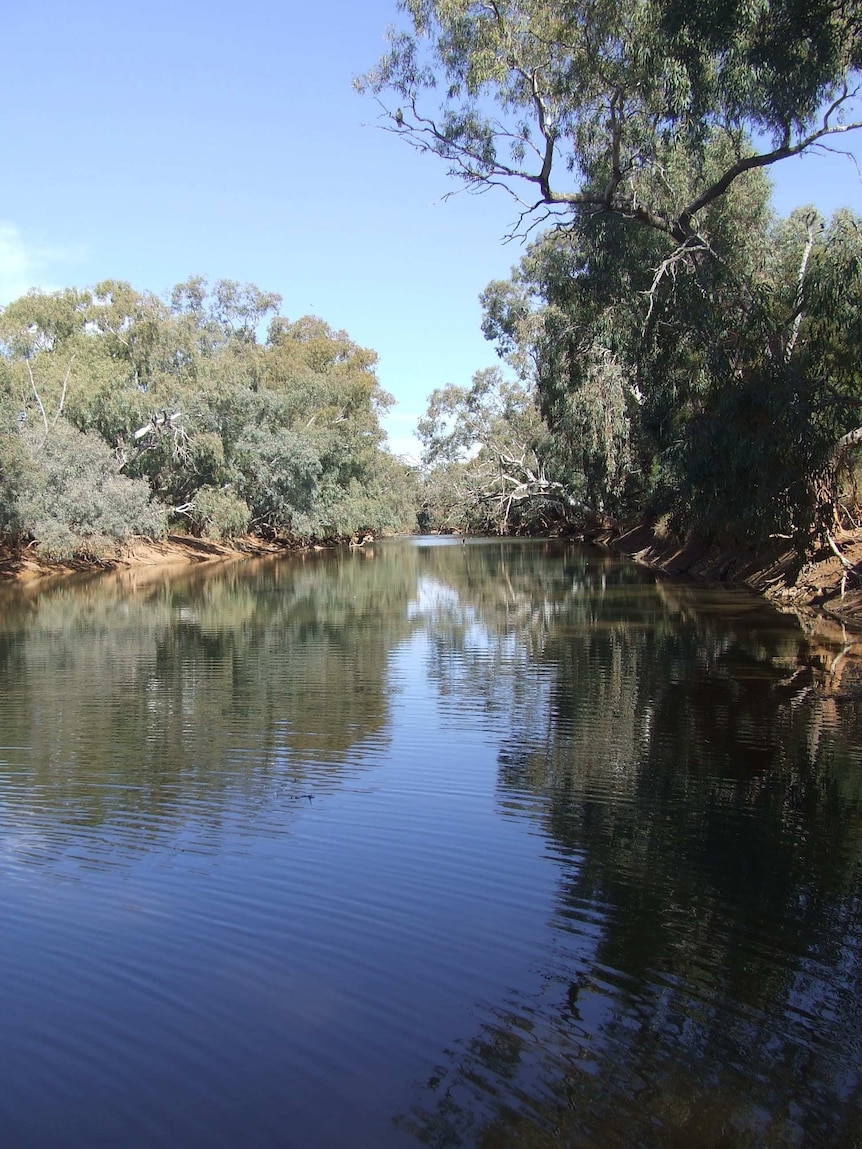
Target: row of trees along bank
[
  {"x": 122, "y": 413},
  {"x": 680, "y": 354}
]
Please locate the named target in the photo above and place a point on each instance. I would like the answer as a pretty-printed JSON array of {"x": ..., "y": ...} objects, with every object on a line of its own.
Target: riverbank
[
  {"x": 819, "y": 583},
  {"x": 23, "y": 564}
]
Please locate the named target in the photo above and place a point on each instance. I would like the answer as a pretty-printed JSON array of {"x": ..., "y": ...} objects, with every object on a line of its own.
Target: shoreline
[
  {"x": 816, "y": 585},
  {"x": 23, "y": 565}
]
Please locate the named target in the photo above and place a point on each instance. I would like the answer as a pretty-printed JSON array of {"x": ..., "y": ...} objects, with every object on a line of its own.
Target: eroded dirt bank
[
  {"x": 815, "y": 584},
  {"x": 24, "y": 564}
]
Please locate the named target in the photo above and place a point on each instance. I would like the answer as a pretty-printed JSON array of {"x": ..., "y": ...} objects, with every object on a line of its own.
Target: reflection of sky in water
[{"x": 432, "y": 597}]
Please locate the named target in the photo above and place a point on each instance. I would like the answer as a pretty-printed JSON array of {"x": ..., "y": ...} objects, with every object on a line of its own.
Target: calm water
[{"x": 498, "y": 844}]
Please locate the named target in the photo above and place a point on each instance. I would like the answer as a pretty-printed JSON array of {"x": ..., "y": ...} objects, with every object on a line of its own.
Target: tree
[
  {"x": 74, "y": 500},
  {"x": 603, "y": 106},
  {"x": 717, "y": 395},
  {"x": 680, "y": 343},
  {"x": 489, "y": 460},
  {"x": 191, "y": 407}
]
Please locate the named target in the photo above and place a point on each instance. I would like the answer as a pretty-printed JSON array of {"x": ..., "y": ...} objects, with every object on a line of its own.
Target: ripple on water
[{"x": 495, "y": 844}]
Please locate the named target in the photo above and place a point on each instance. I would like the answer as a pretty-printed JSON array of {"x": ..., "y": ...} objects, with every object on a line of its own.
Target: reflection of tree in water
[
  {"x": 159, "y": 703},
  {"x": 701, "y": 985}
]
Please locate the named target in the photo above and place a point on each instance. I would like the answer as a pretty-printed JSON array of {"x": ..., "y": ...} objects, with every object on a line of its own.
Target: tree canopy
[
  {"x": 144, "y": 411},
  {"x": 693, "y": 357},
  {"x": 726, "y": 397},
  {"x": 647, "y": 109}
]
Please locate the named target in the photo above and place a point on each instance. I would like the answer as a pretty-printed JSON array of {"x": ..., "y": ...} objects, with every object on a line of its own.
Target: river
[{"x": 504, "y": 843}]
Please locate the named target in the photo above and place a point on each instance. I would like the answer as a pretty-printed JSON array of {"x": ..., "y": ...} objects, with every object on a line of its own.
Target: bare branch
[
  {"x": 63, "y": 392},
  {"x": 800, "y": 290},
  {"x": 847, "y": 566},
  {"x": 851, "y": 439},
  {"x": 614, "y": 124},
  {"x": 39, "y": 401},
  {"x": 670, "y": 266}
]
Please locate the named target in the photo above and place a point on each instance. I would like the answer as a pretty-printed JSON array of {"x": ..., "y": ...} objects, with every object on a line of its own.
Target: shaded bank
[{"x": 818, "y": 581}]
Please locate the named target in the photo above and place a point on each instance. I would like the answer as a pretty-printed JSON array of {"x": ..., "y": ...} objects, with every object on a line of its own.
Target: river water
[{"x": 497, "y": 844}]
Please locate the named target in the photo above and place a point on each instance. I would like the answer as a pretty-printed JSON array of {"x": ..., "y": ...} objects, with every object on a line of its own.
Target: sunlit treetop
[{"x": 648, "y": 109}]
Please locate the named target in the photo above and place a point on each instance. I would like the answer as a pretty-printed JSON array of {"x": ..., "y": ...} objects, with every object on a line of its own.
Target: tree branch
[
  {"x": 851, "y": 439},
  {"x": 39, "y": 401},
  {"x": 800, "y": 290},
  {"x": 765, "y": 159},
  {"x": 62, "y": 402}
]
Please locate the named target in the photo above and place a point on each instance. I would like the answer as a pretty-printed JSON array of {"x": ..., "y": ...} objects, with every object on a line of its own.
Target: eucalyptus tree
[
  {"x": 728, "y": 397},
  {"x": 489, "y": 460},
  {"x": 679, "y": 341},
  {"x": 192, "y": 409},
  {"x": 616, "y": 105}
]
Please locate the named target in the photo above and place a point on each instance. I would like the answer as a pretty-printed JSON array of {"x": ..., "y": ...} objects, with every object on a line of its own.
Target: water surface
[{"x": 496, "y": 844}]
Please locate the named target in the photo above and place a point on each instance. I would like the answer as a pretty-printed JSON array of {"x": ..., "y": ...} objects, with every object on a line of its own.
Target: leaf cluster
[
  {"x": 616, "y": 107},
  {"x": 222, "y": 422}
]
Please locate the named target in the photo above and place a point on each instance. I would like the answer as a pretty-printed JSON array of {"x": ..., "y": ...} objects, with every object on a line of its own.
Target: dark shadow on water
[{"x": 701, "y": 984}]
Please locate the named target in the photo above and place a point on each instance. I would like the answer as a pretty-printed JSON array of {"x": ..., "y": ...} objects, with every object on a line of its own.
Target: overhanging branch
[{"x": 766, "y": 159}]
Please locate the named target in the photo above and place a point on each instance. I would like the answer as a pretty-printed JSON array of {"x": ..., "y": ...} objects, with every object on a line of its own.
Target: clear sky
[{"x": 155, "y": 141}]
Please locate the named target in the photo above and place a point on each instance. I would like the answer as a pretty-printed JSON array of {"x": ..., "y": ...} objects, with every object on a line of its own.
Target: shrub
[
  {"x": 75, "y": 498},
  {"x": 220, "y": 513}
]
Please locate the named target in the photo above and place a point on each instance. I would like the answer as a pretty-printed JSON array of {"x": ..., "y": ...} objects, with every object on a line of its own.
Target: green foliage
[
  {"x": 220, "y": 514},
  {"x": 227, "y": 432},
  {"x": 489, "y": 459},
  {"x": 42, "y": 322},
  {"x": 614, "y": 107},
  {"x": 713, "y": 390},
  {"x": 280, "y": 476},
  {"x": 15, "y": 471},
  {"x": 383, "y": 498},
  {"x": 74, "y": 500},
  {"x": 446, "y": 501}
]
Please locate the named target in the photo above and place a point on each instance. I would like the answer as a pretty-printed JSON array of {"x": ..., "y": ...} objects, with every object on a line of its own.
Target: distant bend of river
[{"x": 505, "y": 843}]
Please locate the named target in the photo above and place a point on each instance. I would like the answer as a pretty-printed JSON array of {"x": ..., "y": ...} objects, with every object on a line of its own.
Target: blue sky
[{"x": 156, "y": 141}]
